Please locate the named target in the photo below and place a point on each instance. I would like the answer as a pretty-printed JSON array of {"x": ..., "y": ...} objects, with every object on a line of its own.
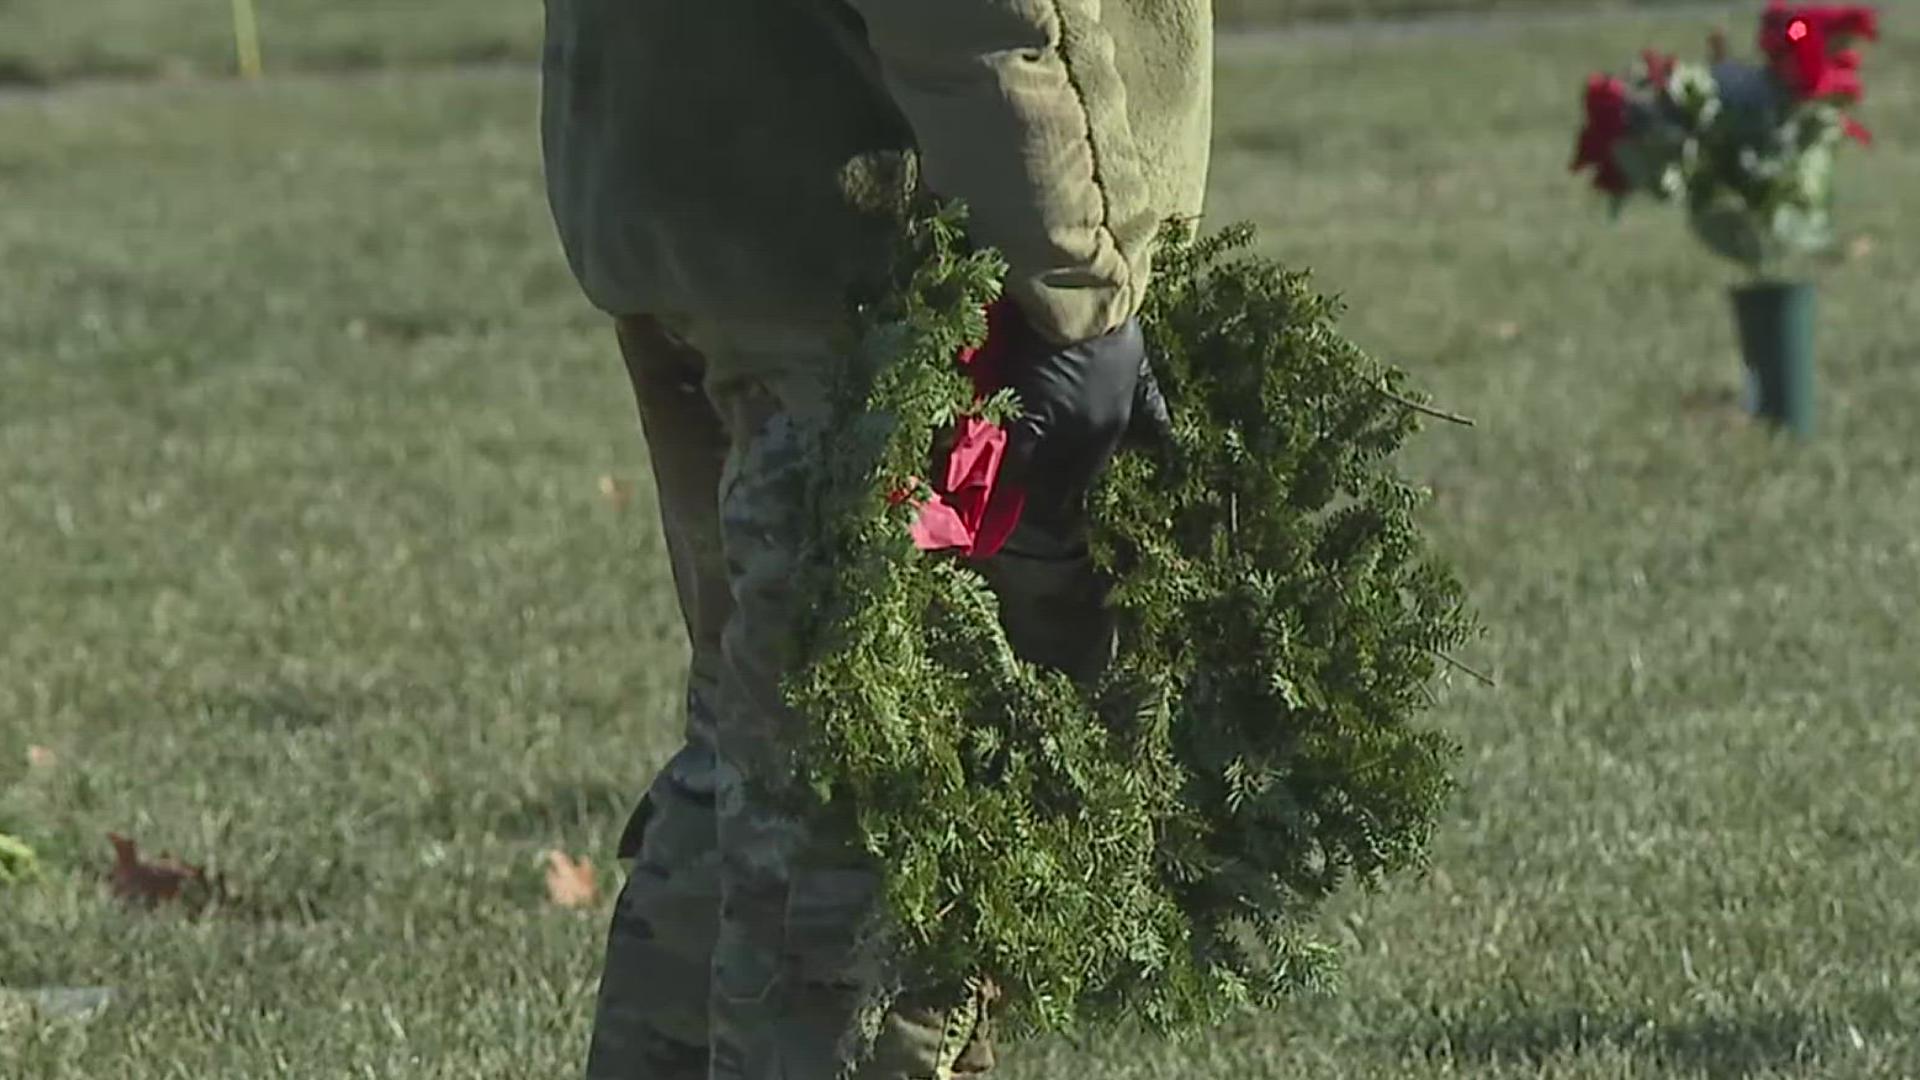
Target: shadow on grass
[
  {"x": 1716, "y": 1047},
  {"x": 19, "y": 73}
]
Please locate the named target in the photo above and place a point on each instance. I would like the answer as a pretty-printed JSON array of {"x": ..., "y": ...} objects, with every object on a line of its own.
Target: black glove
[{"x": 1079, "y": 403}]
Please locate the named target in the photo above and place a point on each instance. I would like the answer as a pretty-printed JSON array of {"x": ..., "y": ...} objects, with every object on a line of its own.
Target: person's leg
[
  {"x": 788, "y": 978},
  {"x": 651, "y": 1022},
  {"x": 724, "y": 870}
]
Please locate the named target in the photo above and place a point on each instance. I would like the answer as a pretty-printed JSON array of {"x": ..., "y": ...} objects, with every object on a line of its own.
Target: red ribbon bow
[{"x": 970, "y": 511}]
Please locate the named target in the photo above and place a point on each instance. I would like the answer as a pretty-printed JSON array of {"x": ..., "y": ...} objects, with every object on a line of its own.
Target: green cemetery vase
[{"x": 1776, "y": 341}]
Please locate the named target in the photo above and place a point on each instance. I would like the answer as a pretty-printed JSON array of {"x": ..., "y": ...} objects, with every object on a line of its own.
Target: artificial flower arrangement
[{"x": 1747, "y": 147}]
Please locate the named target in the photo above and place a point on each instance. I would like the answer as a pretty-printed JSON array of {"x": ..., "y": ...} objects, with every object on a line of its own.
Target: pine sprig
[{"x": 1151, "y": 849}]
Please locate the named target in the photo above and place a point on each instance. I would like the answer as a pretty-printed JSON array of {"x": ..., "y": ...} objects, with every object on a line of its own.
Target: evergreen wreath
[{"x": 1152, "y": 849}]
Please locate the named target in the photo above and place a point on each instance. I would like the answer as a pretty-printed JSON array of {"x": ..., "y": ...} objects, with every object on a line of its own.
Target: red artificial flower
[
  {"x": 1659, "y": 67},
  {"x": 1807, "y": 47},
  {"x": 1841, "y": 21},
  {"x": 1606, "y": 125},
  {"x": 1838, "y": 22},
  {"x": 1840, "y": 78}
]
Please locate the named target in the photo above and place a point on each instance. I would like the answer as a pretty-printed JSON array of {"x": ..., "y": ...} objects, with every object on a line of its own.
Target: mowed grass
[
  {"x": 308, "y": 573},
  {"x": 55, "y": 39},
  {"x": 43, "y": 40}
]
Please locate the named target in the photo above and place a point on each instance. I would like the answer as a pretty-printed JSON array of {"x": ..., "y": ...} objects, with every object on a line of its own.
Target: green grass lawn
[
  {"x": 55, "y": 39},
  {"x": 308, "y": 573}
]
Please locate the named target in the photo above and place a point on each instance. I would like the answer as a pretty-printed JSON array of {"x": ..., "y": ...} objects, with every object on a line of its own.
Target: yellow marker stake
[{"x": 246, "y": 38}]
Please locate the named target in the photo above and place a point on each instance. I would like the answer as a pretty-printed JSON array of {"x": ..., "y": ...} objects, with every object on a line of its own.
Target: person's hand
[{"x": 1079, "y": 403}]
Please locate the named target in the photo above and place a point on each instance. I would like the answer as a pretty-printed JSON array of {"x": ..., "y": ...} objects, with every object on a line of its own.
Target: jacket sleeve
[{"x": 1018, "y": 110}]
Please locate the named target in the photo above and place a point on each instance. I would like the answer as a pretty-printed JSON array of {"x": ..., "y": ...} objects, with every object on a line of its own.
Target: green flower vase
[{"x": 1776, "y": 341}]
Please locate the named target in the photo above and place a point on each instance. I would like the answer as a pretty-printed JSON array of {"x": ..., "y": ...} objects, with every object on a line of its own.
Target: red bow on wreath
[{"x": 969, "y": 512}]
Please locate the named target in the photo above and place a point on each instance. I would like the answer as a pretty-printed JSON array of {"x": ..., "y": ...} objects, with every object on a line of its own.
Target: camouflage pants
[{"x": 731, "y": 955}]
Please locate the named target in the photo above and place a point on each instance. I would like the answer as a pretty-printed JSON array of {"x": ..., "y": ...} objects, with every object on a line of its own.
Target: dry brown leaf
[
  {"x": 571, "y": 884},
  {"x": 41, "y": 757},
  {"x": 616, "y": 492},
  {"x": 1506, "y": 330},
  {"x": 1860, "y": 248},
  {"x": 165, "y": 879}
]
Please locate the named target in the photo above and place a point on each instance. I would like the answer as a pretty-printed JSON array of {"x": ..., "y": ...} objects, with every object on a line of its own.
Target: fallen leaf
[
  {"x": 1506, "y": 330},
  {"x": 571, "y": 884},
  {"x": 164, "y": 879},
  {"x": 40, "y": 757},
  {"x": 616, "y": 492},
  {"x": 1860, "y": 248}
]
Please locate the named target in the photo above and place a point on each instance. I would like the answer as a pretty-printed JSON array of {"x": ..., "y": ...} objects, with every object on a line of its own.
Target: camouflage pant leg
[
  {"x": 787, "y": 979},
  {"x": 730, "y": 954},
  {"x": 651, "y": 1022},
  {"x": 788, "y": 983}
]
